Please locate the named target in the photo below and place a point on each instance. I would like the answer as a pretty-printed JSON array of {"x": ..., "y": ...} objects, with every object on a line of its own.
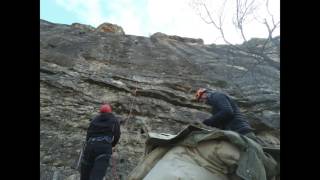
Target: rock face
[
  {"x": 159, "y": 35},
  {"x": 150, "y": 83},
  {"x": 112, "y": 28},
  {"x": 83, "y": 27}
]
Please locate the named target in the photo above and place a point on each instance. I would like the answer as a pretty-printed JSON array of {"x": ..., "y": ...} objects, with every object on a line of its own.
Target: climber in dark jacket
[
  {"x": 102, "y": 135},
  {"x": 226, "y": 113}
]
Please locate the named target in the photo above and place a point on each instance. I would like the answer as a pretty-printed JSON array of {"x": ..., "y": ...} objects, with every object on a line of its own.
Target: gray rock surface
[
  {"x": 153, "y": 78},
  {"x": 110, "y": 28}
]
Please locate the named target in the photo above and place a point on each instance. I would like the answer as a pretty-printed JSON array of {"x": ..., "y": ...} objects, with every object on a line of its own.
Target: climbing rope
[
  {"x": 113, "y": 159},
  {"x": 114, "y": 171},
  {"x": 131, "y": 105}
]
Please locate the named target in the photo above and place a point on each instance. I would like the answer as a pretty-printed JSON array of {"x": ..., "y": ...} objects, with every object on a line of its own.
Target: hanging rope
[
  {"x": 131, "y": 104},
  {"x": 113, "y": 159},
  {"x": 114, "y": 171}
]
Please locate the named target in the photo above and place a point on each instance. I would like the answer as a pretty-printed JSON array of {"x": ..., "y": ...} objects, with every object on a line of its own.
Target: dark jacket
[
  {"x": 226, "y": 114},
  {"x": 104, "y": 124}
]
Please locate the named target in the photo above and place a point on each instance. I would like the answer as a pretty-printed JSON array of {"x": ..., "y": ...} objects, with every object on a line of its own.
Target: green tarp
[{"x": 252, "y": 164}]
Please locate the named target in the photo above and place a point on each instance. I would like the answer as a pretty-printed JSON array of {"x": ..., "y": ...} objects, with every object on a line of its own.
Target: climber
[
  {"x": 102, "y": 135},
  {"x": 226, "y": 114}
]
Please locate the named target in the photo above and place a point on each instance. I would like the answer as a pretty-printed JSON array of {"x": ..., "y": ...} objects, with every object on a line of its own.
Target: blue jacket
[{"x": 226, "y": 114}]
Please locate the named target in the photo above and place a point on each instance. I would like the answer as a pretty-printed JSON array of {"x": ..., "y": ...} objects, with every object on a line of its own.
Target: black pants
[{"x": 95, "y": 160}]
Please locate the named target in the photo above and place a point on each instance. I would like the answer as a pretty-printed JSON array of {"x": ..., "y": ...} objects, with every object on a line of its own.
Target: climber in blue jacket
[{"x": 225, "y": 112}]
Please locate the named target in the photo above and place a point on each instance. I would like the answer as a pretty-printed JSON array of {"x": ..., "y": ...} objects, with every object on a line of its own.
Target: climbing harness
[{"x": 101, "y": 138}]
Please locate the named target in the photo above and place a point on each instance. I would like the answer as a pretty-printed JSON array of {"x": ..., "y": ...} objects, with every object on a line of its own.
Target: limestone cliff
[{"x": 154, "y": 78}]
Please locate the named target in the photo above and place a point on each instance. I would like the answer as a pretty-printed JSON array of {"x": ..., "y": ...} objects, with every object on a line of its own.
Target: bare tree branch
[
  {"x": 267, "y": 7},
  {"x": 243, "y": 10},
  {"x": 209, "y": 15}
]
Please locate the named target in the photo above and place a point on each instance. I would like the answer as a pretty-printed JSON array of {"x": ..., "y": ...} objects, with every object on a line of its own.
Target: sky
[{"x": 172, "y": 17}]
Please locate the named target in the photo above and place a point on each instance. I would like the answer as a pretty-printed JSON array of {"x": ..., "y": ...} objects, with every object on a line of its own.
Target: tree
[{"x": 240, "y": 14}]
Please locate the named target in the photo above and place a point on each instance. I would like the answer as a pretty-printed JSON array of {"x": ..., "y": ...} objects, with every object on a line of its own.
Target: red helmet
[
  {"x": 105, "y": 108},
  {"x": 200, "y": 92}
]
